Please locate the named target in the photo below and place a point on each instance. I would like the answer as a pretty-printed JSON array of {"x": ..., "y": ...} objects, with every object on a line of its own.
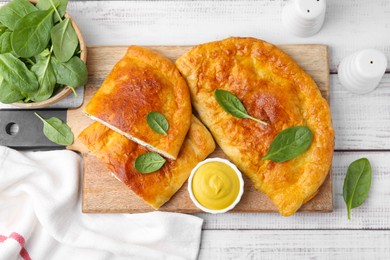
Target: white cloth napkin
[{"x": 41, "y": 218}]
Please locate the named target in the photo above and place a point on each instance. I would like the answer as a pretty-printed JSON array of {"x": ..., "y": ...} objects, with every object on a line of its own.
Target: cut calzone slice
[
  {"x": 272, "y": 88},
  {"x": 144, "y": 81},
  {"x": 118, "y": 153}
]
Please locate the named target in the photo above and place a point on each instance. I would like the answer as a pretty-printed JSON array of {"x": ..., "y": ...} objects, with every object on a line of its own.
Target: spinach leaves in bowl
[{"x": 42, "y": 54}]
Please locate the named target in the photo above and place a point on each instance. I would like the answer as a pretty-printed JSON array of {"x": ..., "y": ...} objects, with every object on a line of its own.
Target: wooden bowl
[{"x": 66, "y": 90}]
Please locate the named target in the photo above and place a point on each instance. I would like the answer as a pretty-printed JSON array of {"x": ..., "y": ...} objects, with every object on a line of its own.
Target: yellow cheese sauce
[{"x": 215, "y": 185}]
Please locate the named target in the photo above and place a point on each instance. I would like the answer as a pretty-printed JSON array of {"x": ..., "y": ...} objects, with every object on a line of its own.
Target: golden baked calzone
[
  {"x": 144, "y": 81},
  {"x": 118, "y": 153},
  {"x": 273, "y": 88}
]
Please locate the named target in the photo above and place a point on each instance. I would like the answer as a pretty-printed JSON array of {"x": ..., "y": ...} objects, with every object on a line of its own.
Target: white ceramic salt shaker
[
  {"x": 304, "y": 18},
  {"x": 362, "y": 71}
]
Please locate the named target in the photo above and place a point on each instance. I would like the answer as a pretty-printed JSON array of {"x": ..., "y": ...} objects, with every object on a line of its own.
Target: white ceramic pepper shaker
[
  {"x": 362, "y": 71},
  {"x": 304, "y": 18}
]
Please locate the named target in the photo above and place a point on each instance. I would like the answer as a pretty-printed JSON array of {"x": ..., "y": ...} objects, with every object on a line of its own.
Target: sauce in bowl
[{"x": 215, "y": 185}]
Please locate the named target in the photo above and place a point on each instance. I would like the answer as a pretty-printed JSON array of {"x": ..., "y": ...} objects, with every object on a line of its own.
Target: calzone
[
  {"x": 118, "y": 153},
  {"x": 142, "y": 82},
  {"x": 272, "y": 88}
]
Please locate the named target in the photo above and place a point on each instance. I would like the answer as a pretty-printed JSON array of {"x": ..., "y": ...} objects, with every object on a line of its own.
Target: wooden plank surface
[
  {"x": 373, "y": 214},
  {"x": 103, "y": 193},
  {"x": 295, "y": 244},
  {"x": 349, "y": 25},
  {"x": 361, "y": 122}
]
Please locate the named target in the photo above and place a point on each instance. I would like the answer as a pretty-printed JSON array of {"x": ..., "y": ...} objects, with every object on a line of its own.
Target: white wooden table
[{"x": 362, "y": 123}]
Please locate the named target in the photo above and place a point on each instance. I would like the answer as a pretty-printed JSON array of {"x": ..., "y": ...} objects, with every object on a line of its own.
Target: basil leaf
[
  {"x": 17, "y": 74},
  {"x": 231, "y": 104},
  {"x": 72, "y": 73},
  {"x": 157, "y": 122},
  {"x": 46, "y": 78},
  {"x": 148, "y": 162},
  {"x": 12, "y": 12},
  {"x": 357, "y": 184},
  {"x": 60, "y": 5},
  {"x": 56, "y": 131},
  {"x": 32, "y": 33},
  {"x": 65, "y": 40},
  {"x": 8, "y": 93},
  {"x": 289, "y": 143},
  {"x": 5, "y": 42}
]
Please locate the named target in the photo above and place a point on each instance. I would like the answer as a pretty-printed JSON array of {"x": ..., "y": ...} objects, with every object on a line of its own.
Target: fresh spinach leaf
[
  {"x": 71, "y": 73},
  {"x": 231, "y": 104},
  {"x": 28, "y": 61},
  {"x": 3, "y": 29},
  {"x": 157, "y": 122},
  {"x": 56, "y": 131},
  {"x": 60, "y": 5},
  {"x": 64, "y": 40},
  {"x": 5, "y": 42},
  {"x": 32, "y": 33},
  {"x": 357, "y": 184},
  {"x": 17, "y": 74},
  {"x": 12, "y": 12},
  {"x": 46, "y": 79},
  {"x": 148, "y": 162},
  {"x": 289, "y": 143},
  {"x": 43, "y": 54},
  {"x": 8, "y": 93}
]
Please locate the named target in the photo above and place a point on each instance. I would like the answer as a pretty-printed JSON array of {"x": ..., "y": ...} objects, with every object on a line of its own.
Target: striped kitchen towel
[{"x": 41, "y": 218}]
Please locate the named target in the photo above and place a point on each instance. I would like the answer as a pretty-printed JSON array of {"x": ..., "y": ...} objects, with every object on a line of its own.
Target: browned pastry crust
[
  {"x": 118, "y": 154},
  {"x": 144, "y": 81},
  {"x": 275, "y": 89}
]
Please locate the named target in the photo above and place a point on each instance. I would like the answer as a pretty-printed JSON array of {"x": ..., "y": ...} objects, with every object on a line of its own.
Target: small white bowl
[{"x": 213, "y": 211}]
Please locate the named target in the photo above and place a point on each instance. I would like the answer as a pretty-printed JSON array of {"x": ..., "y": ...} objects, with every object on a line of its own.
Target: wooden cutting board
[{"x": 101, "y": 192}]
